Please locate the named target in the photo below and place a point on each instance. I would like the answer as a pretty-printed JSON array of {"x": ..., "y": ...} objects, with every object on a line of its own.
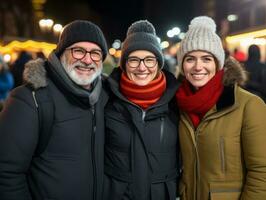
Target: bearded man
[{"x": 71, "y": 164}]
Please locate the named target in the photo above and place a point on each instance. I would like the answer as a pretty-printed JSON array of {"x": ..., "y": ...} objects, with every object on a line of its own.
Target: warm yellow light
[
  {"x": 118, "y": 54},
  {"x": 249, "y": 41},
  {"x": 39, "y": 1},
  {"x": 38, "y": 7},
  {"x": 173, "y": 50},
  {"x": 30, "y": 45},
  {"x": 239, "y": 37},
  {"x": 164, "y": 44},
  {"x": 57, "y": 28},
  {"x": 7, "y": 58},
  {"x": 46, "y": 23},
  {"x": 39, "y": 14},
  {"x": 112, "y": 51},
  {"x": 49, "y": 23},
  {"x": 42, "y": 23}
]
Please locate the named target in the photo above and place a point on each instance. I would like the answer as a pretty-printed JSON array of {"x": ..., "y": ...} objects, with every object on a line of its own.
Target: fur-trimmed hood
[
  {"x": 36, "y": 76},
  {"x": 35, "y": 73},
  {"x": 234, "y": 73}
]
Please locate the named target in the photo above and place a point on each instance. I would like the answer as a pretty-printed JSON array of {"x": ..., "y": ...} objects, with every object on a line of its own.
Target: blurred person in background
[
  {"x": 257, "y": 72},
  {"x": 63, "y": 161},
  {"x": 239, "y": 55},
  {"x": 222, "y": 126},
  {"x": 170, "y": 62},
  {"x": 40, "y": 54},
  {"x": 6, "y": 81},
  {"x": 141, "y": 140},
  {"x": 18, "y": 67}
]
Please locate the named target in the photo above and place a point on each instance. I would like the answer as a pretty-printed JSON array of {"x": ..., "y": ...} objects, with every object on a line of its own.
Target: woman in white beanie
[
  {"x": 141, "y": 143},
  {"x": 222, "y": 127}
]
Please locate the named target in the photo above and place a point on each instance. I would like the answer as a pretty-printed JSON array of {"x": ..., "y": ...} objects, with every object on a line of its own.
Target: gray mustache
[{"x": 84, "y": 65}]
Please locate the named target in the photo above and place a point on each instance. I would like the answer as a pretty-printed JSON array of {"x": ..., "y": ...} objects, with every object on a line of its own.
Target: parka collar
[
  {"x": 36, "y": 73},
  {"x": 234, "y": 75}
]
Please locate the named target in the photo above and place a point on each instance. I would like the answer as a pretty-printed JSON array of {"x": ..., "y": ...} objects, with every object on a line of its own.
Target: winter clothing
[
  {"x": 18, "y": 67},
  {"x": 197, "y": 103},
  {"x": 6, "y": 84},
  {"x": 141, "y": 147},
  {"x": 141, "y": 35},
  {"x": 143, "y": 96},
  {"x": 224, "y": 157},
  {"x": 6, "y": 81},
  {"x": 201, "y": 36},
  {"x": 71, "y": 167},
  {"x": 239, "y": 55},
  {"x": 257, "y": 73},
  {"x": 80, "y": 31}
]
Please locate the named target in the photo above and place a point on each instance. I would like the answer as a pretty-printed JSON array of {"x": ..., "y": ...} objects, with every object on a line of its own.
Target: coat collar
[
  {"x": 234, "y": 75},
  {"x": 36, "y": 75}
]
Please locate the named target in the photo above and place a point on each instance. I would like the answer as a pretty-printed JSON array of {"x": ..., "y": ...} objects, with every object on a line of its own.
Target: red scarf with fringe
[
  {"x": 197, "y": 104},
  {"x": 146, "y": 95}
]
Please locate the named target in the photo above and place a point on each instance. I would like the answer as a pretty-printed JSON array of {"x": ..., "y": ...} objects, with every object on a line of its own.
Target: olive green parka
[{"x": 224, "y": 158}]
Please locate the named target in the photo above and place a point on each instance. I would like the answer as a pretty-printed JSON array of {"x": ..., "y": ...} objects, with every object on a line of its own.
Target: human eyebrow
[
  {"x": 133, "y": 57},
  {"x": 190, "y": 56},
  {"x": 79, "y": 47},
  {"x": 208, "y": 57},
  {"x": 95, "y": 49}
]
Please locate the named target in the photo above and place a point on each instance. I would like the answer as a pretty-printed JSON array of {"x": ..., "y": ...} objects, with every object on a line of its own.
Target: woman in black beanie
[{"x": 141, "y": 146}]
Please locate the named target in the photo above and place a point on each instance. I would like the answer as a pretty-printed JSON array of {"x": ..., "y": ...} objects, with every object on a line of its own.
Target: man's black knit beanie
[{"x": 81, "y": 31}]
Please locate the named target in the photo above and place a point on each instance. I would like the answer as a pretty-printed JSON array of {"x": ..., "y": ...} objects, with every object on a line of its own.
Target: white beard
[{"x": 82, "y": 81}]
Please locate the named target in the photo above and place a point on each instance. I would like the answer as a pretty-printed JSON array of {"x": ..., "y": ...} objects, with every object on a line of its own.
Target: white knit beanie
[{"x": 201, "y": 36}]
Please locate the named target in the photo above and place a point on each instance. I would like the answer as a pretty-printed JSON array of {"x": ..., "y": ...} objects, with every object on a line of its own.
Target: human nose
[
  {"x": 87, "y": 58},
  {"x": 142, "y": 66},
  {"x": 198, "y": 65}
]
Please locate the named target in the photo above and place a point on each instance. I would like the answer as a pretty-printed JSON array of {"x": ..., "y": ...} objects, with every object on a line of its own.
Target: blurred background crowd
[{"x": 29, "y": 29}]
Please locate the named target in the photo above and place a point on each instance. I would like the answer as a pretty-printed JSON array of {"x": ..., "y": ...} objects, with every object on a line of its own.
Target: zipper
[
  {"x": 143, "y": 115},
  {"x": 194, "y": 134},
  {"x": 197, "y": 182},
  {"x": 162, "y": 129},
  {"x": 143, "y": 111},
  {"x": 94, "y": 187},
  {"x": 34, "y": 99},
  {"x": 197, "y": 131},
  {"x": 222, "y": 154}
]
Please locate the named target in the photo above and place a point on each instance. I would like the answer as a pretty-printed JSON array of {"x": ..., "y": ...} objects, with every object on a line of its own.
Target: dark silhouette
[
  {"x": 257, "y": 72},
  {"x": 18, "y": 67}
]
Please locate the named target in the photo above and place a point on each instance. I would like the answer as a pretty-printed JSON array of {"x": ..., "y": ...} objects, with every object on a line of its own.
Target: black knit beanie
[
  {"x": 141, "y": 35},
  {"x": 81, "y": 31}
]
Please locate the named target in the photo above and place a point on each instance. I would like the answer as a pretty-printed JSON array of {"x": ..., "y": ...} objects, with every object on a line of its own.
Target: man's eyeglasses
[
  {"x": 148, "y": 61},
  {"x": 79, "y": 53}
]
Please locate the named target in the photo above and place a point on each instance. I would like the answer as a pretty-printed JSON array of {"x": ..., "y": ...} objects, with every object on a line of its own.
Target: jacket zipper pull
[
  {"x": 143, "y": 115},
  {"x": 34, "y": 98},
  {"x": 162, "y": 129}
]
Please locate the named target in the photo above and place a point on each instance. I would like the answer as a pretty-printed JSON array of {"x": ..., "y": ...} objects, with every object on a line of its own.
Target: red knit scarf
[
  {"x": 146, "y": 95},
  {"x": 197, "y": 104}
]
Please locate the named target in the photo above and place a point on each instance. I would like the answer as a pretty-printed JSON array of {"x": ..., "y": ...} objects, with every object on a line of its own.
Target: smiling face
[
  {"x": 82, "y": 70},
  {"x": 199, "y": 67},
  {"x": 147, "y": 69}
]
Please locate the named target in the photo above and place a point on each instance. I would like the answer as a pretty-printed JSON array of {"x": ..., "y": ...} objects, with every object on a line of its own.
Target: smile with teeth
[
  {"x": 85, "y": 69},
  {"x": 198, "y": 75},
  {"x": 141, "y": 76}
]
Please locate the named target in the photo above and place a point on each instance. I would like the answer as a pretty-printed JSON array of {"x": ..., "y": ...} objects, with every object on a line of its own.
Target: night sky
[{"x": 114, "y": 17}]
